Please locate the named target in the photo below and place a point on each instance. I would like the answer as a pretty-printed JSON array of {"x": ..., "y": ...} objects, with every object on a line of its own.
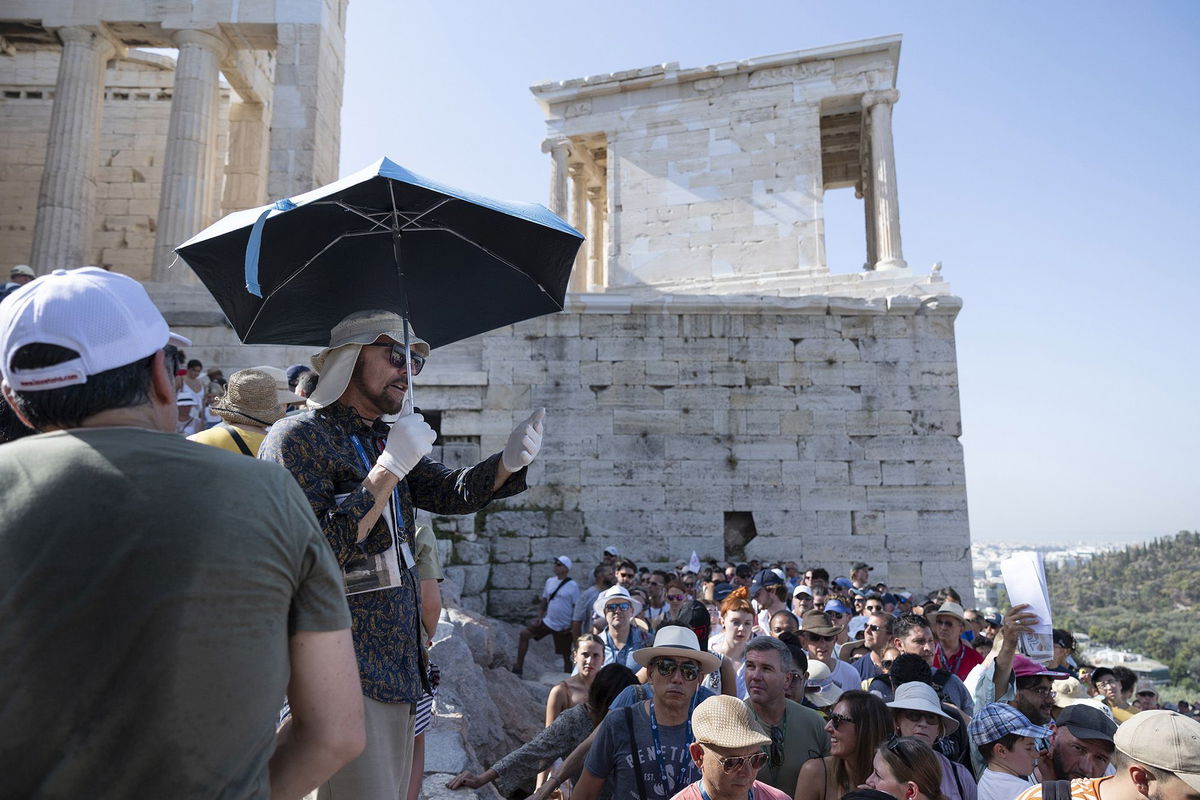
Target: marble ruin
[{"x": 712, "y": 386}]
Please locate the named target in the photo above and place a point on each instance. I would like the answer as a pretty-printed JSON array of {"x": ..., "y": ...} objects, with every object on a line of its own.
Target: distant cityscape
[{"x": 986, "y": 558}]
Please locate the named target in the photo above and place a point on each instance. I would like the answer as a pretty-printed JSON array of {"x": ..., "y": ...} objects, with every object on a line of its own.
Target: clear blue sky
[{"x": 1045, "y": 155}]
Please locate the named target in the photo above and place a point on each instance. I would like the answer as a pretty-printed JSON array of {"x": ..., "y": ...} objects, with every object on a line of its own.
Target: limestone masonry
[{"x": 712, "y": 385}]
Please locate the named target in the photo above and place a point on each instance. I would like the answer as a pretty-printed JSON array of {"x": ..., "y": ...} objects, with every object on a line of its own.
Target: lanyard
[
  {"x": 962, "y": 651},
  {"x": 704, "y": 794},
  {"x": 658, "y": 751},
  {"x": 397, "y": 524}
]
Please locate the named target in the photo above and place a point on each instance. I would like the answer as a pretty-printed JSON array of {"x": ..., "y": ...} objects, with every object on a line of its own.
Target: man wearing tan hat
[
  {"x": 729, "y": 752},
  {"x": 1157, "y": 757},
  {"x": 818, "y": 633},
  {"x": 252, "y": 403},
  {"x": 642, "y": 750},
  {"x": 951, "y": 653},
  {"x": 363, "y": 481}
]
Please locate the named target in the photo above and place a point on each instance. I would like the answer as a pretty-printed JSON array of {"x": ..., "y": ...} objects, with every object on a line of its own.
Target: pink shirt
[{"x": 760, "y": 790}]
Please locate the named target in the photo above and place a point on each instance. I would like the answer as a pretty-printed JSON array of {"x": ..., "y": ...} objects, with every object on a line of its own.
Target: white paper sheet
[{"x": 1025, "y": 581}]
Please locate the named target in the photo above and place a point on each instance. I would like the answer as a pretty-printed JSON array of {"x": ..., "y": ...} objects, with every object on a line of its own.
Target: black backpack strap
[
  {"x": 1056, "y": 790},
  {"x": 633, "y": 747},
  {"x": 237, "y": 439}
]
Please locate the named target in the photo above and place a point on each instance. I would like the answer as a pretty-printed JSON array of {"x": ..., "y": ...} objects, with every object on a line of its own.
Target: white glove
[
  {"x": 410, "y": 438},
  {"x": 524, "y": 442}
]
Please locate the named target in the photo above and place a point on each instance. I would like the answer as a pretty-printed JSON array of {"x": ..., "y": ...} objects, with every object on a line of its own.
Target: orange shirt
[{"x": 1081, "y": 789}]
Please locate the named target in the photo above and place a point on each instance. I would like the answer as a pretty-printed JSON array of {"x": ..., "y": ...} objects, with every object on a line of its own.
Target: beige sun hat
[
  {"x": 821, "y": 691},
  {"x": 1068, "y": 690},
  {"x": 283, "y": 394},
  {"x": 251, "y": 398},
  {"x": 724, "y": 721},
  {"x": 335, "y": 364},
  {"x": 676, "y": 641}
]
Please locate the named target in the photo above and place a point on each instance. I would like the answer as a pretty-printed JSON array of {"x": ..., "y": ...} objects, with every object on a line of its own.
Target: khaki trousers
[{"x": 381, "y": 772}]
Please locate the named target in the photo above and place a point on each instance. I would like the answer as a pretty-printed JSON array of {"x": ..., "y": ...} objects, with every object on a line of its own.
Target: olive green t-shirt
[{"x": 148, "y": 590}]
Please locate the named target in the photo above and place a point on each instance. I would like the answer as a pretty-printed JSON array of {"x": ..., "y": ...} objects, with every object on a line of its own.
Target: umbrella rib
[
  {"x": 414, "y": 220},
  {"x": 502, "y": 260},
  {"x": 353, "y": 210},
  {"x": 288, "y": 280}
]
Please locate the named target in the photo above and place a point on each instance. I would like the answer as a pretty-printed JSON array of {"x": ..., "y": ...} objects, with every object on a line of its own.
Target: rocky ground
[{"x": 483, "y": 710}]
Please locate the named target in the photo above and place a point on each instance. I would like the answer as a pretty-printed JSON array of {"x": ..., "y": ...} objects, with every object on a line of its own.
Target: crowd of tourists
[
  {"x": 252, "y": 618},
  {"x": 780, "y": 683}
]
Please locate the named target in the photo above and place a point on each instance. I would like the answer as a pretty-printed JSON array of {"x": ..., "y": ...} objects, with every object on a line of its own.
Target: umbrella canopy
[{"x": 453, "y": 263}]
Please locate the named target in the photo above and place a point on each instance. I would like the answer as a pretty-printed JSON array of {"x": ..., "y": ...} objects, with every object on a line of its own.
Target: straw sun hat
[
  {"x": 724, "y": 721},
  {"x": 251, "y": 398}
]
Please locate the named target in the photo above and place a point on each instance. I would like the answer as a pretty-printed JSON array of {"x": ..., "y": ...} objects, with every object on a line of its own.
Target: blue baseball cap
[{"x": 837, "y": 606}]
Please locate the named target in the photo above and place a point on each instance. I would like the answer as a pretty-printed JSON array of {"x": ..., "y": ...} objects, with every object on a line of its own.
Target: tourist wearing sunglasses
[
  {"x": 621, "y": 638},
  {"x": 728, "y": 751},
  {"x": 858, "y": 724},
  {"x": 678, "y": 604},
  {"x": 819, "y": 633},
  {"x": 918, "y": 714},
  {"x": 642, "y": 750}
]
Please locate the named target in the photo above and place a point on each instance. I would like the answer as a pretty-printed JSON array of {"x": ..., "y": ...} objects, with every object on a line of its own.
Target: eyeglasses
[
  {"x": 1044, "y": 691},
  {"x": 614, "y": 607},
  {"x": 398, "y": 356},
  {"x": 675, "y": 597},
  {"x": 1107, "y": 682},
  {"x": 667, "y": 666},
  {"x": 836, "y": 720},
  {"x": 734, "y": 763},
  {"x": 912, "y": 715}
]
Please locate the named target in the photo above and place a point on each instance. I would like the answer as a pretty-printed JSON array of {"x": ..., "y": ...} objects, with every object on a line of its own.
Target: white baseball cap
[
  {"x": 566, "y": 562},
  {"x": 104, "y": 316}
]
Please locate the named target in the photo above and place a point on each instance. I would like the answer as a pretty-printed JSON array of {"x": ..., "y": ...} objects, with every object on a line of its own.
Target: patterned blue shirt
[
  {"x": 317, "y": 447},
  {"x": 636, "y": 640}
]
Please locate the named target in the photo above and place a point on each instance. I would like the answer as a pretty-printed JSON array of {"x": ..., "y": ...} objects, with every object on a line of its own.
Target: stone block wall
[
  {"x": 137, "y": 106},
  {"x": 833, "y": 422}
]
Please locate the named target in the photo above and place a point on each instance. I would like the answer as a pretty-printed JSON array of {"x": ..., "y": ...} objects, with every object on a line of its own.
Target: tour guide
[
  {"x": 642, "y": 750},
  {"x": 363, "y": 481}
]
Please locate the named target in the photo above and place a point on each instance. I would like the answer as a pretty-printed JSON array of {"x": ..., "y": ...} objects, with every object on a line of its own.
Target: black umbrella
[{"x": 451, "y": 263}]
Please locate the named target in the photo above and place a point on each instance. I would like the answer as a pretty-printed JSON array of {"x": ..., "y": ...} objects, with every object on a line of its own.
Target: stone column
[
  {"x": 882, "y": 190},
  {"x": 579, "y": 275},
  {"x": 187, "y": 162},
  {"x": 67, "y": 196},
  {"x": 558, "y": 149},
  {"x": 595, "y": 243}
]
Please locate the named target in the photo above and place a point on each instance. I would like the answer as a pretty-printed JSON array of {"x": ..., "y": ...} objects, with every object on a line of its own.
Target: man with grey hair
[
  {"x": 797, "y": 733},
  {"x": 363, "y": 480}
]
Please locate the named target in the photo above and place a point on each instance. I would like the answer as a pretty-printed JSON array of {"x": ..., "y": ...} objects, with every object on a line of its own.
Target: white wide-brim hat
[
  {"x": 335, "y": 364},
  {"x": 917, "y": 696},
  {"x": 676, "y": 641},
  {"x": 616, "y": 593}
]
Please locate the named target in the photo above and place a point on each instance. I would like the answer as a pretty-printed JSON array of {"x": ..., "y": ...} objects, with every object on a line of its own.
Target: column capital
[
  {"x": 595, "y": 193},
  {"x": 210, "y": 40},
  {"x": 557, "y": 144},
  {"x": 99, "y": 37},
  {"x": 885, "y": 97},
  {"x": 575, "y": 169}
]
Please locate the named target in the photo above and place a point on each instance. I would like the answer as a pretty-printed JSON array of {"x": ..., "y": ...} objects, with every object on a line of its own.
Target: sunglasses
[
  {"x": 886, "y": 663},
  {"x": 614, "y": 607},
  {"x": 874, "y": 628},
  {"x": 836, "y": 720},
  {"x": 893, "y": 746},
  {"x": 818, "y": 638},
  {"x": 734, "y": 763},
  {"x": 667, "y": 667},
  {"x": 398, "y": 356},
  {"x": 912, "y": 715},
  {"x": 675, "y": 597}
]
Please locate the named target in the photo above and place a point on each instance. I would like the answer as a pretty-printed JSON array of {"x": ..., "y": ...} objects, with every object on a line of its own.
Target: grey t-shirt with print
[{"x": 611, "y": 756}]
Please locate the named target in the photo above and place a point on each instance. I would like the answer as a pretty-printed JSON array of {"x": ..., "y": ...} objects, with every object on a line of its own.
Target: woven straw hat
[
  {"x": 724, "y": 721},
  {"x": 335, "y": 363},
  {"x": 250, "y": 399}
]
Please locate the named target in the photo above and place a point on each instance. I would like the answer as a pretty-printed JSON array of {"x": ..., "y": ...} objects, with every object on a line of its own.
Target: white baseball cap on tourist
[{"x": 104, "y": 316}]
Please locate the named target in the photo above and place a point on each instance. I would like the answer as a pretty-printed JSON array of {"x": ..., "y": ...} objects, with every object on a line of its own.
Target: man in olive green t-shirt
[{"x": 159, "y": 597}]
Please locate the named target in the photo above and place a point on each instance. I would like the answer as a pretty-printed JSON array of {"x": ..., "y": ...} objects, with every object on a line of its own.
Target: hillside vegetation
[{"x": 1144, "y": 598}]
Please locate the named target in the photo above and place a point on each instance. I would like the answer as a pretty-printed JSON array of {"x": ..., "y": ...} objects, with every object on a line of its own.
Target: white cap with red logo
[{"x": 104, "y": 316}]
